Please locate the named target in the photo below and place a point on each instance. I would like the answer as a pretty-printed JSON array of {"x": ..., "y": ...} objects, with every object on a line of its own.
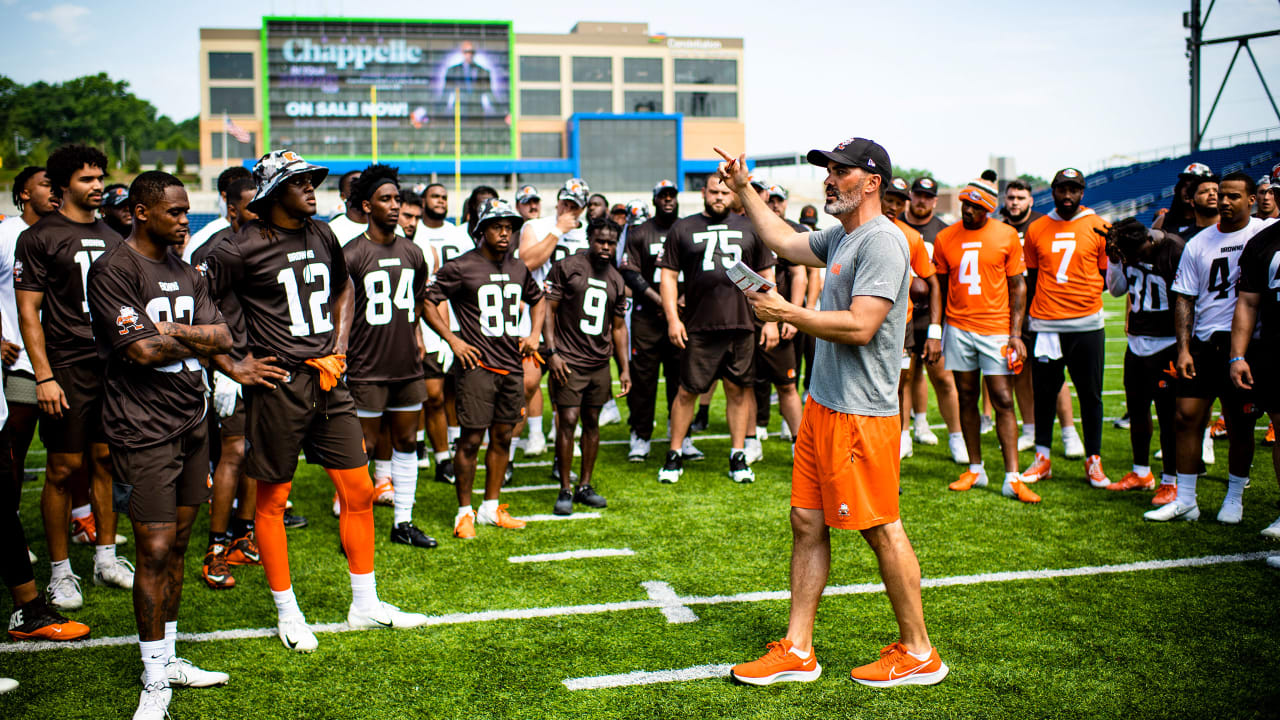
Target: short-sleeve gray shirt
[{"x": 872, "y": 260}]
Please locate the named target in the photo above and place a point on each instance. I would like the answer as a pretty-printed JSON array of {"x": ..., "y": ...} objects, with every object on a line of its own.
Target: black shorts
[
  {"x": 233, "y": 424},
  {"x": 585, "y": 388},
  {"x": 776, "y": 366},
  {"x": 432, "y": 369},
  {"x": 81, "y": 425},
  {"x": 374, "y": 398},
  {"x": 1151, "y": 377},
  {"x": 1213, "y": 375},
  {"x": 298, "y": 415},
  {"x": 486, "y": 397},
  {"x": 152, "y": 482},
  {"x": 1266, "y": 382},
  {"x": 713, "y": 354}
]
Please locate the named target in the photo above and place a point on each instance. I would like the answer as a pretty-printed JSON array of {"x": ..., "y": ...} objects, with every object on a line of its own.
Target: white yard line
[
  {"x": 652, "y": 604},
  {"x": 669, "y": 603},
  {"x": 518, "y": 488},
  {"x": 572, "y": 555},
  {"x": 640, "y": 677},
  {"x": 575, "y": 516}
]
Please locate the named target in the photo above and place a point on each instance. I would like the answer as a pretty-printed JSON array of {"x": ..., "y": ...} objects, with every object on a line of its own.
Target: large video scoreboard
[{"x": 322, "y": 76}]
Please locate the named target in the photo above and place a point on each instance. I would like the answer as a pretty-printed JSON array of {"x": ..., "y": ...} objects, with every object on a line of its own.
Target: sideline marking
[
  {"x": 575, "y": 516},
  {"x": 640, "y": 677},
  {"x": 517, "y": 488},
  {"x": 572, "y": 555},
  {"x": 650, "y": 604},
  {"x": 669, "y": 602}
]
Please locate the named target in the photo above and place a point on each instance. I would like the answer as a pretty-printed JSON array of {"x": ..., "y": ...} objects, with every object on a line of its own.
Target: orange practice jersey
[
  {"x": 920, "y": 263},
  {"x": 978, "y": 265},
  {"x": 1070, "y": 258}
]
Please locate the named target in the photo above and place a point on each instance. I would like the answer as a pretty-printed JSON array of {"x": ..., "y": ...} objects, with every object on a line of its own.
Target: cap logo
[
  {"x": 290, "y": 156},
  {"x": 926, "y": 183},
  {"x": 1069, "y": 172}
]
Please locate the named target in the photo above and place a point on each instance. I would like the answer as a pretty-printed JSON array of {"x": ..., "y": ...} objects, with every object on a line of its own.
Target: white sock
[
  {"x": 489, "y": 507},
  {"x": 1186, "y": 489},
  {"x": 382, "y": 470},
  {"x": 921, "y": 656},
  {"x": 1235, "y": 488},
  {"x": 421, "y": 436},
  {"x": 364, "y": 592},
  {"x": 104, "y": 555},
  {"x": 920, "y": 418},
  {"x": 906, "y": 434},
  {"x": 1167, "y": 479},
  {"x": 1012, "y": 476},
  {"x": 535, "y": 425},
  {"x": 1042, "y": 450},
  {"x": 803, "y": 655},
  {"x": 511, "y": 451},
  {"x": 286, "y": 604},
  {"x": 61, "y": 568},
  {"x": 1142, "y": 470},
  {"x": 443, "y": 456},
  {"x": 1069, "y": 433},
  {"x": 154, "y": 657},
  {"x": 1029, "y": 429},
  {"x": 977, "y": 468},
  {"x": 953, "y": 437},
  {"x": 453, "y": 433},
  {"x": 736, "y": 451},
  {"x": 404, "y": 480},
  {"x": 463, "y": 511},
  {"x": 82, "y": 512},
  {"x": 171, "y": 639}
]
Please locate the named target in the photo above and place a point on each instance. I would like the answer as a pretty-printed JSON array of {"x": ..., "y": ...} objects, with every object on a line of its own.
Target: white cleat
[
  {"x": 385, "y": 615},
  {"x": 784, "y": 433},
  {"x": 923, "y": 434},
  {"x": 118, "y": 574},
  {"x": 1073, "y": 448},
  {"x": 31, "y": 557},
  {"x": 1206, "y": 449},
  {"x": 183, "y": 673},
  {"x": 762, "y": 433},
  {"x": 535, "y": 445},
  {"x": 1026, "y": 442},
  {"x": 986, "y": 425},
  {"x": 609, "y": 414},
  {"x": 1273, "y": 530},
  {"x": 64, "y": 593},
  {"x": 959, "y": 453},
  {"x": 1173, "y": 511},
  {"x": 905, "y": 449},
  {"x": 639, "y": 451},
  {"x": 8, "y": 685},
  {"x": 740, "y": 471},
  {"x": 296, "y": 636},
  {"x": 1273, "y": 561},
  {"x": 689, "y": 452},
  {"x": 1159, "y": 454},
  {"x": 153, "y": 703},
  {"x": 754, "y": 450},
  {"x": 1231, "y": 513}
]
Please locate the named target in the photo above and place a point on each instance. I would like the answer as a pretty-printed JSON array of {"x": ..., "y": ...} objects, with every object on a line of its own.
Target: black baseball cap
[
  {"x": 925, "y": 185},
  {"x": 856, "y": 152},
  {"x": 115, "y": 196},
  {"x": 1068, "y": 176},
  {"x": 897, "y": 186},
  {"x": 809, "y": 216}
]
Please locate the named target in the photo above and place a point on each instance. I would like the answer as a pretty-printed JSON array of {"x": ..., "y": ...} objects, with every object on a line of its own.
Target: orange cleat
[
  {"x": 1270, "y": 438},
  {"x": 1167, "y": 493},
  {"x": 1039, "y": 470},
  {"x": 1134, "y": 481},
  {"x": 1093, "y": 470},
  {"x": 779, "y": 664},
  {"x": 896, "y": 666},
  {"x": 1219, "y": 429},
  {"x": 500, "y": 518},
  {"x": 968, "y": 480},
  {"x": 383, "y": 493},
  {"x": 465, "y": 528},
  {"x": 214, "y": 570},
  {"x": 244, "y": 551},
  {"x": 84, "y": 531},
  {"x": 1019, "y": 491},
  {"x": 38, "y": 621}
]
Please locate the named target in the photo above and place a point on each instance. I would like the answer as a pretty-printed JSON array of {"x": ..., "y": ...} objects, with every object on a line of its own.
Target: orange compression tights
[{"x": 355, "y": 522}]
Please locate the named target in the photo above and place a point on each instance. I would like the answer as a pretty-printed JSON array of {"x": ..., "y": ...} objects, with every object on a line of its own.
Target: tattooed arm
[
  {"x": 1184, "y": 315},
  {"x": 202, "y": 340}
]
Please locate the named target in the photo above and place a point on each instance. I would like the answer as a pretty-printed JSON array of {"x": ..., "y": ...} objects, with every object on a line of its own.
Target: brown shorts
[
  {"x": 432, "y": 369},
  {"x": 713, "y": 354},
  {"x": 486, "y": 397},
  {"x": 152, "y": 482},
  {"x": 298, "y": 415},
  {"x": 585, "y": 388},
  {"x": 847, "y": 467},
  {"x": 81, "y": 425},
  {"x": 374, "y": 398},
  {"x": 19, "y": 387},
  {"x": 233, "y": 424},
  {"x": 776, "y": 366}
]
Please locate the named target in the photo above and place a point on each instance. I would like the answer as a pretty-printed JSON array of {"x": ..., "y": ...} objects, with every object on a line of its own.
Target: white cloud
[{"x": 66, "y": 18}]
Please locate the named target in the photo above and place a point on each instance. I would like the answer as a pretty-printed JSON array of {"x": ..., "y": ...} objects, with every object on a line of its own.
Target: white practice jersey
[
  {"x": 202, "y": 236},
  {"x": 449, "y": 241},
  {"x": 1208, "y": 272},
  {"x": 9, "y": 231}
]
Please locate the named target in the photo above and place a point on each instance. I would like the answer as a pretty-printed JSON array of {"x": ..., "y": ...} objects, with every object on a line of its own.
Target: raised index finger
[{"x": 728, "y": 158}]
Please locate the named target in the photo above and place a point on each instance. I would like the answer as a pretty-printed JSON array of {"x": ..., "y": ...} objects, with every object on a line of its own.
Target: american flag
[{"x": 236, "y": 131}]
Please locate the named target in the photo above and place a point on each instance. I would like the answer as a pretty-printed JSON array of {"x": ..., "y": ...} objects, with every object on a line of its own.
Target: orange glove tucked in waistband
[{"x": 331, "y": 368}]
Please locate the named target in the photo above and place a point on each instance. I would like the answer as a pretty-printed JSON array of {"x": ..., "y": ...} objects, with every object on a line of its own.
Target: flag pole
[{"x": 373, "y": 111}]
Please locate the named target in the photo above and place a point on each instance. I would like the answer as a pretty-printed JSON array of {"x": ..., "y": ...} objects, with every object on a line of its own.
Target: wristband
[
  {"x": 41, "y": 382},
  {"x": 934, "y": 332},
  {"x": 1232, "y": 361}
]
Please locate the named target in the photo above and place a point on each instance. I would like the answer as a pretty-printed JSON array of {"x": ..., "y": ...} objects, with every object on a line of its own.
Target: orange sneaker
[
  {"x": 84, "y": 531},
  {"x": 465, "y": 528},
  {"x": 1219, "y": 429},
  {"x": 1167, "y": 493},
  {"x": 383, "y": 493},
  {"x": 779, "y": 664},
  {"x": 1134, "y": 481},
  {"x": 896, "y": 666},
  {"x": 1039, "y": 470},
  {"x": 38, "y": 621},
  {"x": 1270, "y": 438},
  {"x": 214, "y": 570},
  {"x": 969, "y": 480},
  {"x": 1093, "y": 470},
  {"x": 1018, "y": 489},
  {"x": 499, "y": 518},
  {"x": 244, "y": 551}
]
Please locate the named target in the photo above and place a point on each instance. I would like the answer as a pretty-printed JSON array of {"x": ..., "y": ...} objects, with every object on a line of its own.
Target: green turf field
[{"x": 1200, "y": 641}]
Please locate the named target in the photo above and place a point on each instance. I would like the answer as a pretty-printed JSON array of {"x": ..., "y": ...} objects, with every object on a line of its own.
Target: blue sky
[{"x": 940, "y": 85}]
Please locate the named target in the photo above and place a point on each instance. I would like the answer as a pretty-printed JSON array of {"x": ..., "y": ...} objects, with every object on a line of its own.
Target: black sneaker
[
  {"x": 672, "y": 469},
  {"x": 406, "y": 533},
  {"x": 739, "y": 470},
  {"x": 564, "y": 503},
  {"x": 700, "y": 420},
  {"x": 555, "y": 474},
  {"x": 293, "y": 522},
  {"x": 444, "y": 472},
  {"x": 587, "y": 495}
]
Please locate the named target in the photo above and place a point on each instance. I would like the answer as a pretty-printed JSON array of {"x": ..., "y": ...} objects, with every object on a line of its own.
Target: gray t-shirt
[{"x": 872, "y": 260}]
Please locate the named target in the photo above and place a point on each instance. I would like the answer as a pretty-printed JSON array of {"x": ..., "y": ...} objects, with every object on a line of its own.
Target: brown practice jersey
[
  {"x": 229, "y": 305},
  {"x": 128, "y": 294},
  {"x": 390, "y": 281},
  {"x": 644, "y": 248},
  {"x": 284, "y": 281},
  {"x": 1150, "y": 304},
  {"x": 485, "y": 297},
  {"x": 1260, "y": 273},
  {"x": 782, "y": 271},
  {"x": 589, "y": 300},
  {"x": 703, "y": 248},
  {"x": 53, "y": 257}
]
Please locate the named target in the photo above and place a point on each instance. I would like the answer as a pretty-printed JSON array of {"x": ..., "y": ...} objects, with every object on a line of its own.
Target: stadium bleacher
[
  {"x": 1144, "y": 188},
  {"x": 199, "y": 220}
]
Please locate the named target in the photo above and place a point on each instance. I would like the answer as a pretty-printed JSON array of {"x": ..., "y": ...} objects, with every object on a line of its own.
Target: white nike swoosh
[{"x": 894, "y": 676}]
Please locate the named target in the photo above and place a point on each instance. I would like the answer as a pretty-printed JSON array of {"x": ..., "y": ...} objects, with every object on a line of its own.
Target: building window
[
  {"x": 592, "y": 101},
  {"x": 707, "y": 104},
  {"x": 540, "y": 102},
  {"x": 233, "y": 101},
  {"x": 235, "y": 148},
  {"x": 592, "y": 69},
  {"x": 647, "y": 156},
  {"x": 230, "y": 66},
  {"x": 638, "y": 101},
  {"x": 536, "y": 68},
  {"x": 541, "y": 145},
  {"x": 706, "y": 72},
  {"x": 642, "y": 70}
]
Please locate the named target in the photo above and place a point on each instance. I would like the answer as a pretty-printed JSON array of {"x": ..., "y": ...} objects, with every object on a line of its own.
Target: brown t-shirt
[
  {"x": 390, "y": 281},
  {"x": 485, "y": 297},
  {"x": 284, "y": 280},
  {"x": 229, "y": 305},
  {"x": 703, "y": 249},
  {"x": 589, "y": 300},
  {"x": 128, "y": 294},
  {"x": 53, "y": 257},
  {"x": 644, "y": 248}
]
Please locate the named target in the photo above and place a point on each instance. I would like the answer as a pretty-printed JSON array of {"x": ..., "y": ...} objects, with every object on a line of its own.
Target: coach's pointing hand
[{"x": 733, "y": 171}]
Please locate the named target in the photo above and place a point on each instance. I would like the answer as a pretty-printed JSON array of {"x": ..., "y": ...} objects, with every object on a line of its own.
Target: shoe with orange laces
[
  {"x": 244, "y": 551},
  {"x": 779, "y": 664},
  {"x": 383, "y": 493},
  {"x": 214, "y": 570},
  {"x": 1270, "y": 438},
  {"x": 37, "y": 621},
  {"x": 499, "y": 518},
  {"x": 465, "y": 528},
  {"x": 1165, "y": 494},
  {"x": 1018, "y": 489},
  {"x": 1041, "y": 469},
  {"x": 1134, "y": 481},
  {"x": 84, "y": 531},
  {"x": 969, "y": 480},
  {"x": 1219, "y": 429},
  {"x": 1093, "y": 470},
  {"x": 896, "y": 666}
]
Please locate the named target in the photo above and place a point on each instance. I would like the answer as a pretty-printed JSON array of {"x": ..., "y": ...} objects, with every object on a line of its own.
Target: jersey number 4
[
  {"x": 723, "y": 240},
  {"x": 317, "y": 300},
  {"x": 380, "y": 303},
  {"x": 1219, "y": 278}
]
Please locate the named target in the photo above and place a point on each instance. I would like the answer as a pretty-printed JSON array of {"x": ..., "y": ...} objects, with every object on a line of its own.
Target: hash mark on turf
[
  {"x": 641, "y": 677},
  {"x": 575, "y": 516},
  {"x": 669, "y": 603},
  {"x": 572, "y": 555},
  {"x": 518, "y": 488}
]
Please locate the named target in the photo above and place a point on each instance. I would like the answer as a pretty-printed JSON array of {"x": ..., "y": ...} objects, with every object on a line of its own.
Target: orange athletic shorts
[{"x": 847, "y": 467}]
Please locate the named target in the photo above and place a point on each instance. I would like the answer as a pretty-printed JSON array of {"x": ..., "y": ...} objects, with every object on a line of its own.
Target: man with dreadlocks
[{"x": 290, "y": 277}]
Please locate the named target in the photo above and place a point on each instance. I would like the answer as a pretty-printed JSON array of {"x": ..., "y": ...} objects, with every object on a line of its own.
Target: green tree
[
  {"x": 1034, "y": 181},
  {"x": 911, "y": 174},
  {"x": 180, "y": 168}
]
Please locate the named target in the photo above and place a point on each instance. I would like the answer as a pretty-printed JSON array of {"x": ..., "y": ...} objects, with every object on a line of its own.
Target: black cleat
[
  {"x": 739, "y": 470},
  {"x": 406, "y": 533},
  {"x": 700, "y": 420},
  {"x": 564, "y": 503},
  {"x": 293, "y": 522},
  {"x": 672, "y": 469},
  {"x": 555, "y": 474},
  {"x": 587, "y": 495},
  {"x": 444, "y": 472}
]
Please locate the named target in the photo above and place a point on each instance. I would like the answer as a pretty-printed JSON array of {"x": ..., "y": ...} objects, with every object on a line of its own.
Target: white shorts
[{"x": 966, "y": 351}]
